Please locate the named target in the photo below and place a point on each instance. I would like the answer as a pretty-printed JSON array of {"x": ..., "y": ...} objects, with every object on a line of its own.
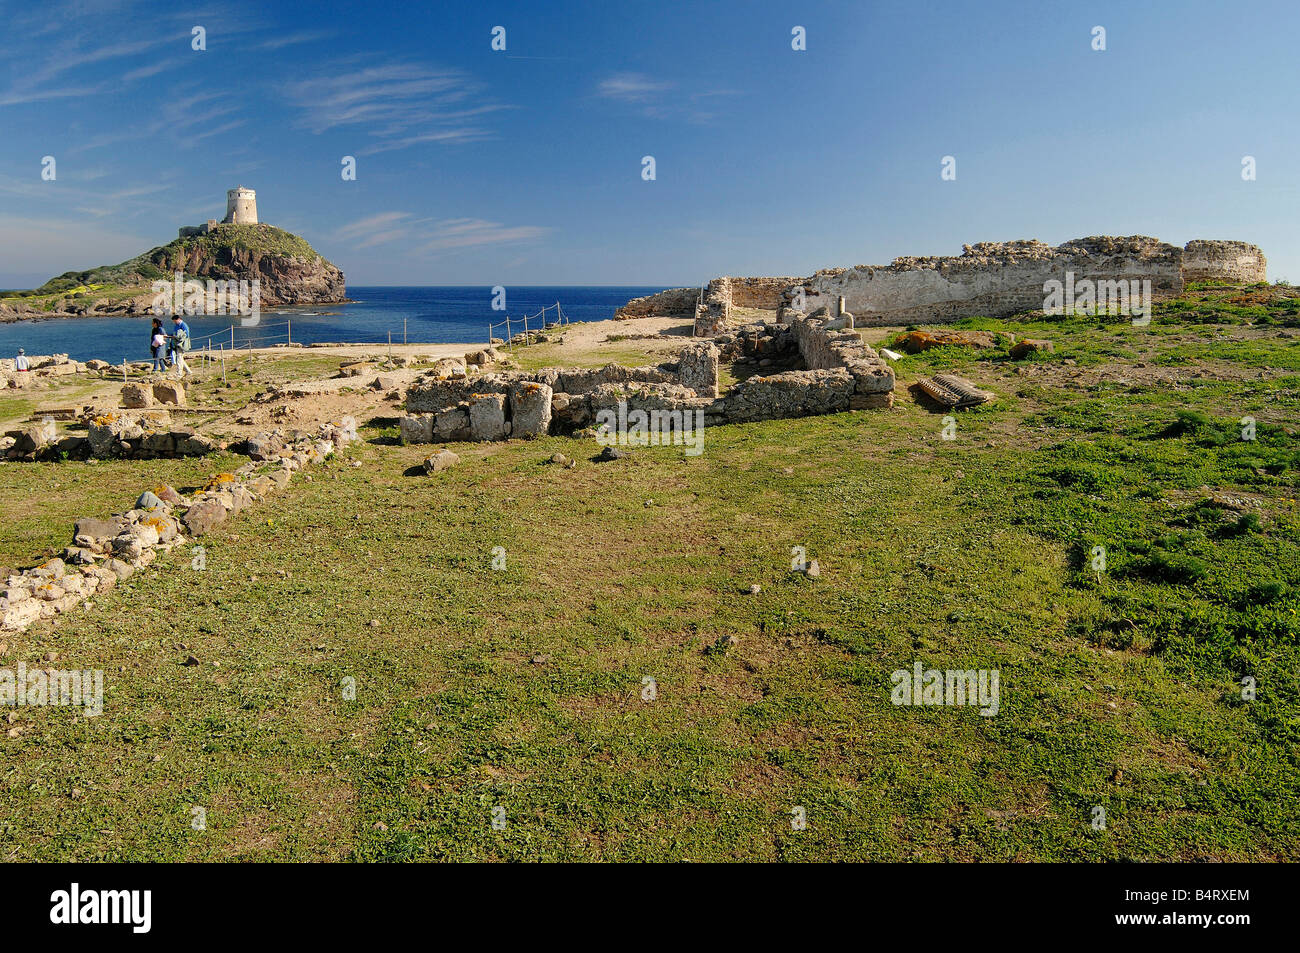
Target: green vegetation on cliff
[{"x": 254, "y": 240}]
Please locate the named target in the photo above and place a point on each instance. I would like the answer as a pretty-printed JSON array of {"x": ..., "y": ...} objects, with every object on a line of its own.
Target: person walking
[
  {"x": 158, "y": 345},
  {"x": 180, "y": 343},
  {"x": 21, "y": 363}
]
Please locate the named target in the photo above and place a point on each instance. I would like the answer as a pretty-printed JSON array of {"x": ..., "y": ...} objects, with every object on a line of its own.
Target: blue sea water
[{"x": 425, "y": 315}]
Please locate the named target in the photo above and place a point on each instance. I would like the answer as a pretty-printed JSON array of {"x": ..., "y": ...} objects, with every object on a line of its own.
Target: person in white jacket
[{"x": 21, "y": 363}]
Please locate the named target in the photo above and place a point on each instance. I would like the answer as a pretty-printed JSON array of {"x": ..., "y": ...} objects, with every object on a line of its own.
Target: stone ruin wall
[
  {"x": 842, "y": 374},
  {"x": 991, "y": 279},
  {"x": 673, "y": 303},
  {"x": 1224, "y": 261}
]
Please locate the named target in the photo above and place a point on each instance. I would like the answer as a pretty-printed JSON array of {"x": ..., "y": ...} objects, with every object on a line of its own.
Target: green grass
[{"x": 522, "y": 688}]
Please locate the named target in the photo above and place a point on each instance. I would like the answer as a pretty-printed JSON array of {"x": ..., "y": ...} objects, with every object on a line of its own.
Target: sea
[{"x": 414, "y": 315}]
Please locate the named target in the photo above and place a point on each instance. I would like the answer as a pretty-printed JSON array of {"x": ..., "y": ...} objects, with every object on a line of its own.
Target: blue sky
[{"x": 483, "y": 167}]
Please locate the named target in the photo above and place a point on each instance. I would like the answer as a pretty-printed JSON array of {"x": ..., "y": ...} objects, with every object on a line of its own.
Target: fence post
[
  {"x": 289, "y": 328},
  {"x": 403, "y": 330},
  {"x": 508, "y": 342},
  {"x": 232, "y": 337}
]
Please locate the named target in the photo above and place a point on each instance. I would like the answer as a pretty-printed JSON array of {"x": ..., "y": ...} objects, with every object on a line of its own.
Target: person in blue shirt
[{"x": 180, "y": 343}]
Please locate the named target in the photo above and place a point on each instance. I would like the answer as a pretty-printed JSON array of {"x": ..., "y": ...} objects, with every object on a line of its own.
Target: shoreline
[{"x": 8, "y": 317}]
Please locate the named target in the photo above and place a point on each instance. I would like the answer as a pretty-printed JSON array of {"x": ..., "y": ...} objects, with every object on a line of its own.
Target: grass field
[{"x": 522, "y": 689}]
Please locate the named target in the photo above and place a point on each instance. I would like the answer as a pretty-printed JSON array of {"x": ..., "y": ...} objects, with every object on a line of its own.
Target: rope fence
[{"x": 539, "y": 317}]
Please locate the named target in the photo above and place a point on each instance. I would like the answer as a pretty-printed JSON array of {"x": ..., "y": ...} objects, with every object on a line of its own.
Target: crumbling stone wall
[
  {"x": 673, "y": 303},
  {"x": 723, "y": 294},
  {"x": 1224, "y": 261},
  {"x": 990, "y": 278}
]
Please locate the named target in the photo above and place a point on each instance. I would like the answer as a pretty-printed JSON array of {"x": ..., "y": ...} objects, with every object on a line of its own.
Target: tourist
[
  {"x": 21, "y": 363},
  {"x": 180, "y": 343},
  {"x": 157, "y": 344}
]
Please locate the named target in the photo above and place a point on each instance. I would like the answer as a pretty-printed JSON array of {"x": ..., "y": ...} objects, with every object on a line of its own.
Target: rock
[
  {"x": 916, "y": 341},
  {"x": 148, "y": 500},
  {"x": 416, "y": 428},
  {"x": 355, "y": 368},
  {"x": 194, "y": 445},
  {"x": 442, "y": 460},
  {"x": 755, "y": 589},
  {"x": 190, "y": 661},
  {"x": 96, "y": 534},
  {"x": 530, "y": 410},
  {"x": 1027, "y": 346},
  {"x": 33, "y": 438},
  {"x": 263, "y": 446},
  {"x": 16, "y": 616},
  {"x": 448, "y": 367},
  {"x": 814, "y": 571},
  {"x": 203, "y": 516},
  {"x": 559, "y": 458},
  {"x": 122, "y": 570},
  {"x": 128, "y": 547},
  {"x": 137, "y": 396},
  {"x": 167, "y": 495},
  {"x": 487, "y": 417},
  {"x": 611, "y": 453},
  {"x": 169, "y": 392},
  {"x": 385, "y": 382},
  {"x": 50, "y": 569}
]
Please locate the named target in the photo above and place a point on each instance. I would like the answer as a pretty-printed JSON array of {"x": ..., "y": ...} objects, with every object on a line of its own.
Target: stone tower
[{"x": 241, "y": 206}]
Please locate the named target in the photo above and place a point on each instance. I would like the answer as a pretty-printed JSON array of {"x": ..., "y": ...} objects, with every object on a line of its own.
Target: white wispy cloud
[
  {"x": 660, "y": 99},
  {"x": 293, "y": 39},
  {"x": 631, "y": 87},
  {"x": 397, "y": 105},
  {"x": 425, "y": 235},
  {"x": 470, "y": 232}
]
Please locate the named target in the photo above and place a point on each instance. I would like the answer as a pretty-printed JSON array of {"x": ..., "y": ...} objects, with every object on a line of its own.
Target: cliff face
[
  {"x": 288, "y": 269},
  {"x": 287, "y": 276}
]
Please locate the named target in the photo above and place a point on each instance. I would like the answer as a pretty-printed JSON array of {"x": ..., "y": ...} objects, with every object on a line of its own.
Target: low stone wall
[
  {"x": 105, "y": 551},
  {"x": 555, "y": 399},
  {"x": 136, "y": 436},
  {"x": 842, "y": 374},
  {"x": 673, "y": 303}
]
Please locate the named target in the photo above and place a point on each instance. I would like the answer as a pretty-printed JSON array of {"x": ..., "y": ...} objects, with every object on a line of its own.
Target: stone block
[
  {"x": 530, "y": 410},
  {"x": 487, "y": 417}
]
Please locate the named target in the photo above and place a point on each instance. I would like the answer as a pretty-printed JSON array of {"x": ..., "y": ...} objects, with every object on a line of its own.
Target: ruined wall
[
  {"x": 675, "y": 302},
  {"x": 990, "y": 278},
  {"x": 765, "y": 293},
  {"x": 1224, "y": 261},
  {"x": 724, "y": 294}
]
